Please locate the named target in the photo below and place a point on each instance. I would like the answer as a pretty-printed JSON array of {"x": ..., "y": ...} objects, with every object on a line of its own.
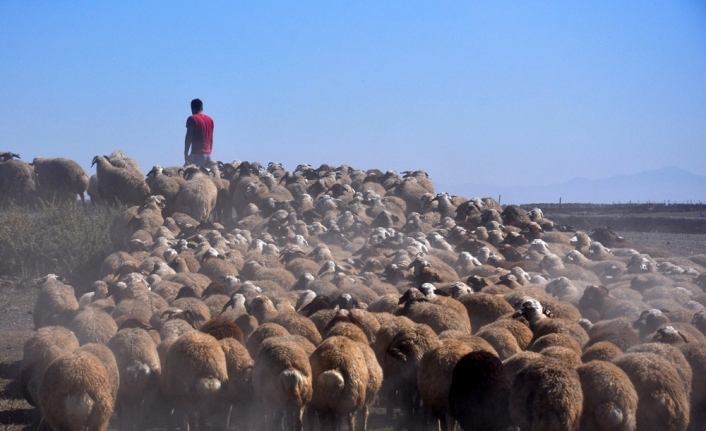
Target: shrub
[{"x": 65, "y": 240}]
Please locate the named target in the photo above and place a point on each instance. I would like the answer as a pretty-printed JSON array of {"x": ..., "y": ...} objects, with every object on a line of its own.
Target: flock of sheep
[{"x": 274, "y": 299}]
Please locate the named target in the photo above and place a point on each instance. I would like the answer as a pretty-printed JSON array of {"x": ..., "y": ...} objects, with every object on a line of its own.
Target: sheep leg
[
  {"x": 185, "y": 422},
  {"x": 277, "y": 419},
  {"x": 311, "y": 418},
  {"x": 299, "y": 419},
  {"x": 365, "y": 413},
  {"x": 450, "y": 422},
  {"x": 351, "y": 421},
  {"x": 442, "y": 424}
]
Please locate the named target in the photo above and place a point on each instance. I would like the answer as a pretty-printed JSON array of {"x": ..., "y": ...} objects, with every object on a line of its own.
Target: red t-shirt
[{"x": 201, "y": 126}]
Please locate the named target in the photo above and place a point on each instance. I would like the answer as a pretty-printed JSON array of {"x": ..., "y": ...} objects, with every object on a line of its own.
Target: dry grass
[{"x": 65, "y": 240}]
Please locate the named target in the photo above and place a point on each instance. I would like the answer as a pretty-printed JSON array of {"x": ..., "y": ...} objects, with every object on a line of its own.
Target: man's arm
[{"x": 187, "y": 143}]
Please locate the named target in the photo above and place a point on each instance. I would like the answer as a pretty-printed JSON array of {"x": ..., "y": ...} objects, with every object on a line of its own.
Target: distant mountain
[{"x": 661, "y": 185}]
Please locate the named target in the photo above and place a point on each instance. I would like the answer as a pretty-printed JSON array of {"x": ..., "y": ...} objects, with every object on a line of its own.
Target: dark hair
[{"x": 196, "y": 105}]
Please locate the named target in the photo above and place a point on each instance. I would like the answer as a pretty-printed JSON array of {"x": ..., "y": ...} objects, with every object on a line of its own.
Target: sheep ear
[{"x": 686, "y": 340}]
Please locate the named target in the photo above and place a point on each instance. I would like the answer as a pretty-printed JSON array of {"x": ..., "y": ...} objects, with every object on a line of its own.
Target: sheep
[
  {"x": 546, "y": 395},
  {"x": 484, "y": 308},
  {"x": 599, "y": 298},
  {"x": 502, "y": 340},
  {"x": 193, "y": 374},
  {"x": 479, "y": 393},
  {"x": 44, "y": 346},
  {"x": 118, "y": 159},
  {"x": 434, "y": 378},
  {"x": 555, "y": 340},
  {"x": 17, "y": 183},
  {"x": 541, "y": 324},
  {"x": 695, "y": 354},
  {"x": 340, "y": 378},
  {"x": 618, "y": 331},
  {"x": 119, "y": 185},
  {"x": 662, "y": 403},
  {"x": 564, "y": 290},
  {"x": 60, "y": 180},
  {"x": 76, "y": 393},
  {"x": 673, "y": 355},
  {"x": 107, "y": 358},
  {"x": 297, "y": 324},
  {"x": 344, "y": 325},
  {"x": 221, "y": 328},
  {"x": 282, "y": 379},
  {"x": 165, "y": 185},
  {"x": 609, "y": 398},
  {"x": 239, "y": 390},
  {"x": 401, "y": 360},
  {"x": 197, "y": 197},
  {"x": 92, "y": 325},
  {"x": 140, "y": 368},
  {"x": 601, "y": 351},
  {"x": 520, "y": 331},
  {"x": 263, "y": 332},
  {"x": 56, "y": 303},
  {"x": 439, "y": 317}
]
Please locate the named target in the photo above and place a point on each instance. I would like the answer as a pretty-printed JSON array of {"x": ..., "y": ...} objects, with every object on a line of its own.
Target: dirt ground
[{"x": 17, "y": 298}]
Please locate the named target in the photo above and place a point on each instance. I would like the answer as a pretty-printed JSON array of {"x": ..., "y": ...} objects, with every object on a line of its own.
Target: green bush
[{"x": 68, "y": 240}]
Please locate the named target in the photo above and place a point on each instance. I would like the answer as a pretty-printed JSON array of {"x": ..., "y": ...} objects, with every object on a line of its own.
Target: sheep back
[
  {"x": 479, "y": 393},
  {"x": 546, "y": 395},
  {"x": 340, "y": 376},
  {"x": 662, "y": 402},
  {"x": 609, "y": 401},
  {"x": 76, "y": 393}
]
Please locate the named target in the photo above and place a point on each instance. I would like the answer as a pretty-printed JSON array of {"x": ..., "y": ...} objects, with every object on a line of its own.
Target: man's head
[{"x": 196, "y": 106}]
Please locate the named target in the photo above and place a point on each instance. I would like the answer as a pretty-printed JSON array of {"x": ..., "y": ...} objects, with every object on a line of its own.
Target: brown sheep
[
  {"x": 609, "y": 398},
  {"x": 662, "y": 403},
  {"x": 401, "y": 361},
  {"x": 76, "y": 393},
  {"x": 261, "y": 333},
  {"x": 44, "y": 346},
  {"x": 193, "y": 374},
  {"x": 139, "y": 366},
  {"x": 546, "y": 395},
  {"x": 340, "y": 378},
  {"x": 434, "y": 378},
  {"x": 483, "y": 308},
  {"x": 282, "y": 380},
  {"x": 601, "y": 351}
]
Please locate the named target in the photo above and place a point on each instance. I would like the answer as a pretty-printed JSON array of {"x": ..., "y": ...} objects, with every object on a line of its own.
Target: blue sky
[{"x": 504, "y": 93}]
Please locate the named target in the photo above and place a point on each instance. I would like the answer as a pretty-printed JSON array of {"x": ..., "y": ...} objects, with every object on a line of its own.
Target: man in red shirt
[{"x": 199, "y": 136}]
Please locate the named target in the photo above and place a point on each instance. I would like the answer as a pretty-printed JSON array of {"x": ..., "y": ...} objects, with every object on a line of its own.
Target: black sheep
[{"x": 480, "y": 392}]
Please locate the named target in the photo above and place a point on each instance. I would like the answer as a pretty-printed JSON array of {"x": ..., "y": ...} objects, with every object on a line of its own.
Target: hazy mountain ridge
[{"x": 660, "y": 185}]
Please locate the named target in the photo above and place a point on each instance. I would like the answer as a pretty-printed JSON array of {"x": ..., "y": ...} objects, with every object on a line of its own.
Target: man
[{"x": 199, "y": 136}]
